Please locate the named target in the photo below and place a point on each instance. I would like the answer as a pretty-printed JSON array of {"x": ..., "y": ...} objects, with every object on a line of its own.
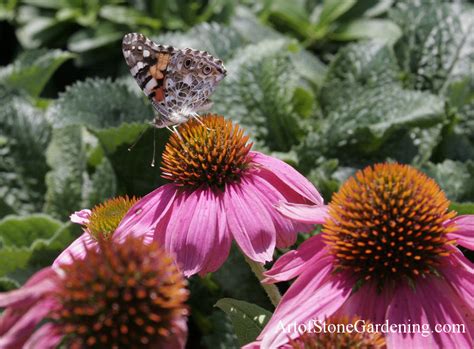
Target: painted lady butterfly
[{"x": 177, "y": 82}]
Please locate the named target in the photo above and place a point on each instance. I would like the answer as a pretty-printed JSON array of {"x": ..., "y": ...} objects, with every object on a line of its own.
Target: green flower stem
[{"x": 271, "y": 290}]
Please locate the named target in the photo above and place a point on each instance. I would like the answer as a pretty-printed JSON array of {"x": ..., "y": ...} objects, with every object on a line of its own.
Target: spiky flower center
[
  {"x": 126, "y": 295},
  {"x": 389, "y": 222},
  {"x": 210, "y": 152},
  {"x": 335, "y": 332},
  {"x": 105, "y": 217}
]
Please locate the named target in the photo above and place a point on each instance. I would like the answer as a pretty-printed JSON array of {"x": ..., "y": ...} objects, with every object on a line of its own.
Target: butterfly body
[{"x": 177, "y": 82}]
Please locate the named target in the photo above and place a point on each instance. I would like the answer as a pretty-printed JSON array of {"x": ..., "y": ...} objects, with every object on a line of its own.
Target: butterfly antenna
[
  {"x": 137, "y": 139},
  {"x": 154, "y": 148}
]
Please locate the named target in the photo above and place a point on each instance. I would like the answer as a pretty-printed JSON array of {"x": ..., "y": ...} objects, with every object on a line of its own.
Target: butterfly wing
[
  {"x": 177, "y": 82},
  {"x": 148, "y": 63}
]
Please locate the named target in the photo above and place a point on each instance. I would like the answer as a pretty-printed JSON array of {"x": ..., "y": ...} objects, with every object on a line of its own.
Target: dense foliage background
[{"x": 328, "y": 86}]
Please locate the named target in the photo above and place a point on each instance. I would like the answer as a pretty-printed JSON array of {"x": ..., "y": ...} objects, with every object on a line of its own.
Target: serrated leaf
[
  {"x": 32, "y": 69},
  {"x": 361, "y": 126},
  {"x": 17, "y": 237},
  {"x": 248, "y": 319},
  {"x": 250, "y": 28},
  {"x": 101, "y": 186},
  {"x": 24, "y": 134},
  {"x": 358, "y": 67},
  {"x": 99, "y": 104},
  {"x": 454, "y": 177},
  {"x": 221, "y": 41},
  {"x": 437, "y": 44},
  {"x": 258, "y": 92},
  {"x": 66, "y": 157}
]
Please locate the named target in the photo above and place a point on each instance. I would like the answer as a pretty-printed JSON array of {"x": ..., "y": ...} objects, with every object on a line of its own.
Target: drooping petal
[
  {"x": 286, "y": 229},
  {"x": 46, "y": 337},
  {"x": 223, "y": 239},
  {"x": 249, "y": 221},
  {"x": 427, "y": 306},
  {"x": 459, "y": 272},
  {"x": 310, "y": 214},
  {"x": 43, "y": 281},
  {"x": 81, "y": 217},
  {"x": 315, "y": 295},
  {"x": 19, "y": 333},
  {"x": 289, "y": 176},
  {"x": 76, "y": 250},
  {"x": 192, "y": 234},
  {"x": 142, "y": 217},
  {"x": 464, "y": 233},
  {"x": 294, "y": 262}
]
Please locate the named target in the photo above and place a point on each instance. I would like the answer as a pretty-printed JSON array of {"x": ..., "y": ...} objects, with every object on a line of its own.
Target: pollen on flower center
[
  {"x": 105, "y": 217},
  {"x": 128, "y": 295},
  {"x": 387, "y": 223},
  {"x": 211, "y": 151}
]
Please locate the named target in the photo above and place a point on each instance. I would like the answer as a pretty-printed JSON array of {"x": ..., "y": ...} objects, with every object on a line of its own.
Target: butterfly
[{"x": 177, "y": 82}]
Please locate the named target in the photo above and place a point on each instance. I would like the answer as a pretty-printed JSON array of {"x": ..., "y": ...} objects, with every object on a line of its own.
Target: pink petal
[
  {"x": 81, "y": 217},
  {"x": 315, "y": 295},
  {"x": 76, "y": 250},
  {"x": 310, "y": 214},
  {"x": 19, "y": 333},
  {"x": 459, "y": 272},
  {"x": 46, "y": 337},
  {"x": 249, "y": 221},
  {"x": 223, "y": 239},
  {"x": 194, "y": 233},
  {"x": 142, "y": 218},
  {"x": 368, "y": 302},
  {"x": 426, "y": 305},
  {"x": 294, "y": 262},
  {"x": 286, "y": 228},
  {"x": 40, "y": 283},
  {"x": 465, "y": 232},
  {"x": 289, "y": 176}
]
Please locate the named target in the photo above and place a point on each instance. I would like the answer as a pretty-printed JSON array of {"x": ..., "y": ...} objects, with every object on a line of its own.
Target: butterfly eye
[
  {"x": 187, "y": 63},
  {"x": 206, "y": 70}
]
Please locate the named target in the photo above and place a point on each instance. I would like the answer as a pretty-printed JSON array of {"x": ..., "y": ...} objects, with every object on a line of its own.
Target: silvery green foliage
[{"x": 24, "y": 134}]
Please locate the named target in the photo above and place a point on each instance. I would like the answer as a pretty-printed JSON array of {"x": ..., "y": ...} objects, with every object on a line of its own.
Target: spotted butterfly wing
[{"x": 177, "y": 82}]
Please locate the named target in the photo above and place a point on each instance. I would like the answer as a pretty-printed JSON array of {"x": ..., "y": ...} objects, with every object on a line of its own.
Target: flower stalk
[{"x": 270, "y": 289}]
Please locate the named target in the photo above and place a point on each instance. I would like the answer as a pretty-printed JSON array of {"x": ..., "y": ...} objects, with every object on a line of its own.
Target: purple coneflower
[
  {"x": 387, "y": 253},
  {"x": 220, "y": 191},
  {"x": 106, "y": 295}
]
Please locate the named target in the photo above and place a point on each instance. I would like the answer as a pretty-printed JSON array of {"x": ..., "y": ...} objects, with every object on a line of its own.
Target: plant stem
[{"x": 271, "y": 290}]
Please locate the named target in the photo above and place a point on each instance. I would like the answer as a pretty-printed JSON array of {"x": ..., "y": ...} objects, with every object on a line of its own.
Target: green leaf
[
  {"x": 437, "y": 44},
  {"x": 365, "y": 28},
  {"x": 128, "y": 16},
  {"x": 454, "y": 177},
  {"x": 333, "y": 9},
  {"x": 66, "y": 157},
  {"x": 101, "y": 186},
  {"x": 258, "y": 92},
  {"x": 24, "y": 134},
  {"x": 248, "y": 319},
  {"x": 362, "y": 125},
  {"x": 22, "y": 237},
  {"x": 99, "y": 104},
  {"x": 367, "y": 65},
  {"x": 462, "y": 208},
  {"x": 221, "y": 41},
  {"x": 32, "y": 69}
]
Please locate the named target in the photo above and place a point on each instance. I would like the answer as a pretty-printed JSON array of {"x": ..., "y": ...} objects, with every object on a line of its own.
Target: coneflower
[{"x": 387, "y": 252}]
